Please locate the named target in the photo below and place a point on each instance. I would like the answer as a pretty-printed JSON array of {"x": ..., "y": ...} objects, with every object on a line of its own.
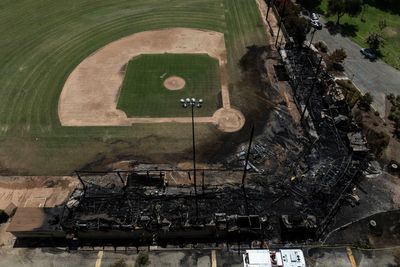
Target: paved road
[
  {"x": 377, "y": 77},
  {"x": 315, "y": 257},
  {"x": 17, "y": 257}
]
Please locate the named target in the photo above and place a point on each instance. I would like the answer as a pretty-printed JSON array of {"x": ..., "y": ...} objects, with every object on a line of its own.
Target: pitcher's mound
[{"x": 174, "y": 83}]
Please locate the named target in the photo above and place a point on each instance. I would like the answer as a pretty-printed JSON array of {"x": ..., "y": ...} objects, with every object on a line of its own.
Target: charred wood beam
[{"x": 335, "y": 206}]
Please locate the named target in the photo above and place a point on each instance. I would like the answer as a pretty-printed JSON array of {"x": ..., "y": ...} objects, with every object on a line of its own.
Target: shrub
[
  {"x": 375, "y": 41},
  {"x": 365, "y": 101},
  {"x": 142, "y": 259},
  {"x": 321, "y": 46},
  {"x": 397, "y": 133},
  {"x": 390, "y": 97},
  {"x": 377, "y": 141},
  {"x": 335, "y": 59},
  {"x": 338, "y": 56}
]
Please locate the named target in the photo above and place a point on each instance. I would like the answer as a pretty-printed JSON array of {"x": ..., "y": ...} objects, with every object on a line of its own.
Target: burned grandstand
[{"x": 295, "y": 179}]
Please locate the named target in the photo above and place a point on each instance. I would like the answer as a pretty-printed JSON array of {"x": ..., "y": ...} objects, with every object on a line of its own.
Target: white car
[
  {"x": 316, "y": 24},
  {"x": 314, "y": 16}
]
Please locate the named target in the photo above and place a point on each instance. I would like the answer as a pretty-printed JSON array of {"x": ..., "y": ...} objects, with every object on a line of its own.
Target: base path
[
  {"x": 226, "y": 119},
  {"x": 90, "y": 94}
]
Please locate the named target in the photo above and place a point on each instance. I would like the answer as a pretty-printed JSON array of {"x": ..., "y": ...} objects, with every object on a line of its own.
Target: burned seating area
[
  {"x": 139, "y": 208},
  {"x": 316, "y": 164},
  {"x": 337, "y": 154}
]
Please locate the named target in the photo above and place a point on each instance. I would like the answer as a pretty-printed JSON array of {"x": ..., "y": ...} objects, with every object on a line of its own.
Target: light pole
[
  {"x": 271, "y": 2},
  {"x": 312, "y": 37},
  {"x": 281, "y": 19},
  {"x": 192, "y": 103}
]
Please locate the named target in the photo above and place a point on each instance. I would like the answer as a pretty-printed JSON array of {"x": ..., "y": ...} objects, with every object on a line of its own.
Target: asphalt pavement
[
  {"x": 315, "y": 257},
  {"x": 375, "y": 77}
]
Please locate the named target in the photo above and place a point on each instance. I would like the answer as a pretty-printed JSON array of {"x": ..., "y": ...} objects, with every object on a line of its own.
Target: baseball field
[{"x": 84, "y": 83}]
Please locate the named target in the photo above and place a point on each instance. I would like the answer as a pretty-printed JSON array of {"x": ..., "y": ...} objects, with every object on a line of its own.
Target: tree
[
  {"x": 341, "y": 7},
  {"x": 377, "y": 140},
  {"x": 311, "y": 4},
  {"x": 374, "y": 41},
  {"x": 353, "y": 7},
  {"x": 297, "y": 28},
  {"x": 365, "y": 101},
  {"x": 287, "y": 8}
]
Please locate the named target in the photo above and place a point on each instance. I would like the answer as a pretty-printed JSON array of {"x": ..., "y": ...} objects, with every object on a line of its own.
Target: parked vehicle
[
  {"x": 368, "y": 53},
  {"x": 314, "y": 16},
  {"x": 316, "y": 24}
]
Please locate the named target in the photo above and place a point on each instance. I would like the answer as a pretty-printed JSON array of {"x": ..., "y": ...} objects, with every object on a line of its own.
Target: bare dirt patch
[
  {"x": 90, "y": 94},
  {"x": 35, "y": 191},
  {"x": 174, "y": 83},
  {"x": 229, "y": 119},
  {"x": 390, "y": 31}
]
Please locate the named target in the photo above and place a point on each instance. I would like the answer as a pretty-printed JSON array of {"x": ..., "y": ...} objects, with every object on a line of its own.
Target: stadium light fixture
[{"x": 193, "y": 102}]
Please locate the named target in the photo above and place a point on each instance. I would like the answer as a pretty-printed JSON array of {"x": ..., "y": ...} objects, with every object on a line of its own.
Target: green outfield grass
[
  {"x": 144, "y": 95},
  {"x": 43, "y": 41}
]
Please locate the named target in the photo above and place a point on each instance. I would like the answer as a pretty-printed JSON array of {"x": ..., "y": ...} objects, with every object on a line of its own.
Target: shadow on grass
[
  {"x": 392, "y": 7},
  {"x": 345, "y": 29},
  {"x": 379, "y": 54}
]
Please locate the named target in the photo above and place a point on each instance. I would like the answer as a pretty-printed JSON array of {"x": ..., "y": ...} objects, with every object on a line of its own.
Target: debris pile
[
  {"x": 338, "y": 152},
  {"x": 163, "y": 215}
]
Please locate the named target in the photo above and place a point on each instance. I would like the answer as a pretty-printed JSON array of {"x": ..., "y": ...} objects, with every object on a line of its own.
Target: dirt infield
[
  {"x": 90, "y": 94},
  {"x": 229, "y": 120},
  {"x": 174, "y": 83}
]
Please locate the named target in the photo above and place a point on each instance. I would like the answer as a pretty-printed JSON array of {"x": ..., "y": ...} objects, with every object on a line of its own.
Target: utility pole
[
  {"x": 270, "y": 3},
  {"x": 312, "y": 89},
  {"x": 312, "y": 37},
  {"x": 281, "y": 19},
  {"x": 247, "y": 156},
  {"x": 81, "y": 181}
]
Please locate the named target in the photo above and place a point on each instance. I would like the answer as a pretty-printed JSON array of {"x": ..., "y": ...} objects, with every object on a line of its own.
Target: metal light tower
[
  {"x": 192, "y": 103},
  {"x": 281, "y": 19},
  {"x": 312, "y": 37}
]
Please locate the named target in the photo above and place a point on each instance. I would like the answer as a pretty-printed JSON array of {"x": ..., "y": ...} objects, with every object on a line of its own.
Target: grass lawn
[
  {"x": 43, "y": 41},
  {"x": 391, "y": 50},
  {"x": 144, "y": 95}
]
